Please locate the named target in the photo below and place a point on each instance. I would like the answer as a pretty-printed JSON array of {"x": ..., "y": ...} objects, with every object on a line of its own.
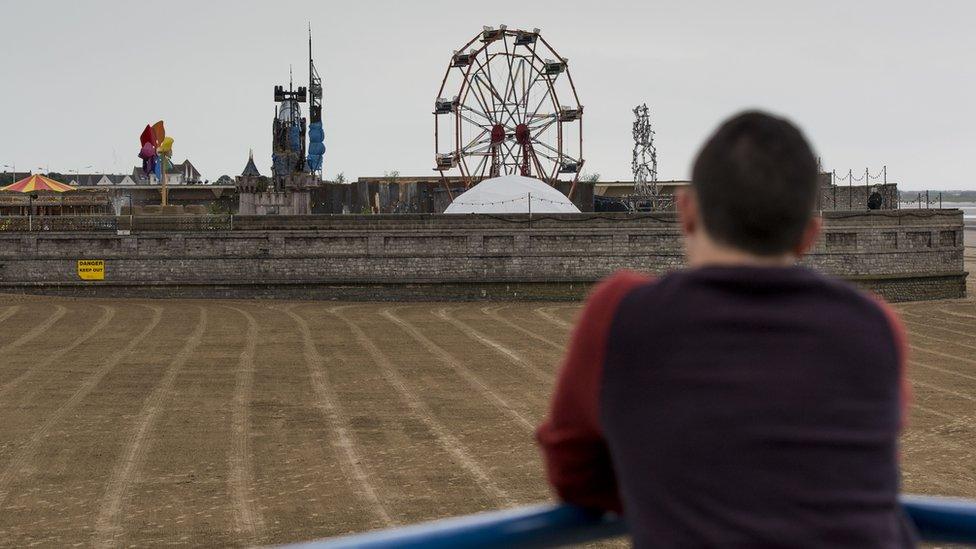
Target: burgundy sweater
[{"x": 734, "y": 406}]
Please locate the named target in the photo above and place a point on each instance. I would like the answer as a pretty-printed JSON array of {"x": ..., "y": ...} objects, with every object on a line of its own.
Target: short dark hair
[{"x": 756, "y": 181}]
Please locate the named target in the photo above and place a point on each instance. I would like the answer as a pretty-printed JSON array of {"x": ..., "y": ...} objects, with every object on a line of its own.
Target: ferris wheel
[{"x": 507, "y": 105}]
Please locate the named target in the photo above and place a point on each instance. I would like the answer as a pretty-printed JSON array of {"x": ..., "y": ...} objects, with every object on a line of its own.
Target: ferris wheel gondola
[{"x": 507, "y": 105}]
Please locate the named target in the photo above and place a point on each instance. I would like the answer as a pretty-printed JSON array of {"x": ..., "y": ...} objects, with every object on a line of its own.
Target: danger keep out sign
[{"x": 91, "y": 269}]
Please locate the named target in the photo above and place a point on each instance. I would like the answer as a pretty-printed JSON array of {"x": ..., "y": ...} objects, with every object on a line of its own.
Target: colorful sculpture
[
  {"x": 156, "y": 149},
  {"x": 156, "y": 152}
]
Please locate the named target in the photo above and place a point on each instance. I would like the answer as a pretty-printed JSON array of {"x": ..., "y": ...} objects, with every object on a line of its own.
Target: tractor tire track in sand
[
  {"x": 250, "y": 521},
  {"x": 26, "y": 453},
  {"x": 940, "y": 353},
  {"x": 927, "y": 324},
  {"x": 36, "y": 331},
  {"x": 942, "y": 370},
  {"x": 932, "y": 411},
  {"x": 546, "y": 314},
  {"x": 107, "y": 527},
  {"x": 107, "y": 315},
  {"x": 492, "y": 312},
  {"x": 420, "y": 410},
  {"x": 511, "y": 355},
  {"x": 9, "y": 312},
  {"x": 941, "y": 389},
  {"x": 328, "y": 404},
  {"x": 467, "y": 375},
  {"x": 944, "y": 318},
  {"x": 953, "y": 313}
]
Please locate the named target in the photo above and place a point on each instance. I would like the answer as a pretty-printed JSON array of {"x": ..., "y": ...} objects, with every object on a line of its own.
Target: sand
[{"x": 226, "y": 423}]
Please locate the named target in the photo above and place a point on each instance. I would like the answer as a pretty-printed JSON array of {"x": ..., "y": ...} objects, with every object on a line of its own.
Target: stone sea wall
[{"x": 903, "y": 255}]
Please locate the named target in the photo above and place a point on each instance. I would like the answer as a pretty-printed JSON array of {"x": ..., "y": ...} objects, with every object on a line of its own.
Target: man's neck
[{"x": 715, "y": 255}]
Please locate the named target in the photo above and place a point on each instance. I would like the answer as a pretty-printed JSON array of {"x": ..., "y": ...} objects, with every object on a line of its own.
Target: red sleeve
[
  {"x": 901, "y": 347},
  {"x": 576, "y": 455}
]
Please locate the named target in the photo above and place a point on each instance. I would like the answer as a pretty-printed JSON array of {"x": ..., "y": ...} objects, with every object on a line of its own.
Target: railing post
[
  {"x": 867, "y": 187},
  {"x": 850, "y": 189}
]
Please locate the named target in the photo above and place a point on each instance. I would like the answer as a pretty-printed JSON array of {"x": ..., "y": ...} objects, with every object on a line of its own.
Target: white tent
[{"x": 511, "y": 194}]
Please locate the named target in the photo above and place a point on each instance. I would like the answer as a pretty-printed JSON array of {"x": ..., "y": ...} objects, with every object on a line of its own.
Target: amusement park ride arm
[{"x": 576, "y": 454}]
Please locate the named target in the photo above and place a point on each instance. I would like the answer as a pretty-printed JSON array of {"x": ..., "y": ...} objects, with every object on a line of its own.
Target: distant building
[
  {"x": 6, "y": 178},
  {"x": 180, "y": 174},
  {"x": 82, "y": 179},
  {"x": 98, "y": 180},
  {"x": 278, "y": 195},
  {"x": 139, "y": 190}
]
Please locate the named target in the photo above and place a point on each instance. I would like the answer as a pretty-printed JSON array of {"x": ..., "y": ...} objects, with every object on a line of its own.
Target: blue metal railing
[{"x": 936, "y": 518}]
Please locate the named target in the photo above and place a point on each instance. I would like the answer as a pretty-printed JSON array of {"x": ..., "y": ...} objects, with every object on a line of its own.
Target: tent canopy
[
  {"x": 34, "y": 183},
  {"x": 511, "y": 194}
]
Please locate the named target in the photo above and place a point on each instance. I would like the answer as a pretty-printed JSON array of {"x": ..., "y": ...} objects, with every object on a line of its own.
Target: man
[{"x": 745, "y": 401}]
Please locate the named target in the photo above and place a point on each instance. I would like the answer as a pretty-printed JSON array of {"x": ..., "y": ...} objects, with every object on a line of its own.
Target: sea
[
  {"x": 969, "y": 220},
  {"x": 968, "y": 208}
]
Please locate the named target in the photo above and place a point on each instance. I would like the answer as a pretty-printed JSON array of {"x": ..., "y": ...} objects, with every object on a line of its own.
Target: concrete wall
[
  {"x": 286, "y": 202},
  {"x": 904, "y": 255},
  {"x": 407, "y": 196},
  {"x": 843, "y": 197}
]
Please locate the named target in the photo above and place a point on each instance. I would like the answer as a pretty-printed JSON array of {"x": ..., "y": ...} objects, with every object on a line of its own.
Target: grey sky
[{"x": 872, "y": 82}]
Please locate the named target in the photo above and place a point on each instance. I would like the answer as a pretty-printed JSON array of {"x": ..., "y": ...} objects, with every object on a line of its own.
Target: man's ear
[
  {"x": 687, "y": 204},
  {"x": 810, "y": 234}
]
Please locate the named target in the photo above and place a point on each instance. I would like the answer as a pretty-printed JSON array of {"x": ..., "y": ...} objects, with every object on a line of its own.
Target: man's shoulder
[
  {"x": 761, "y": 285},
  {"x": 845, "y": 292},
  {"x": 638, "y": 286},
  {"x": 604, "y": 299},
  {"x": 851, "y": 309},
  {"x": 621, "y": 282}
]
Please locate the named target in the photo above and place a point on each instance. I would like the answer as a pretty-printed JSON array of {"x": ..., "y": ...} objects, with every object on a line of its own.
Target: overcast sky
[{"x": 871, "y": 82}]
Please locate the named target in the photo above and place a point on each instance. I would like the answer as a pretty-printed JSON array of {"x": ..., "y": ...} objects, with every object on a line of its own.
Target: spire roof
[{"x": 250, "y": 169}]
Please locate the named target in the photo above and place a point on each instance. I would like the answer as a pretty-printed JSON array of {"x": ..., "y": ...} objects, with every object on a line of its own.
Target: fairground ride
[{"x": 508, "y": 105}]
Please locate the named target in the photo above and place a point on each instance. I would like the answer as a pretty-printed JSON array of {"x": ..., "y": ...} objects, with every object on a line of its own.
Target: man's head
[{"x": 754, "y": 189}]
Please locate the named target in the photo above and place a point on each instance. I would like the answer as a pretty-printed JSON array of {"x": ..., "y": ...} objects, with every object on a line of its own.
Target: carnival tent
[
  {"x": 35, "y": 183},
  {"x": 511, "y": 194}
]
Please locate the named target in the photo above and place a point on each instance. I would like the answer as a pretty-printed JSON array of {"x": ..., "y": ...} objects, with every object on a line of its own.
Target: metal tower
[
  {"x": 316, "y": 133},
  {"x": 644, "y": 163}
]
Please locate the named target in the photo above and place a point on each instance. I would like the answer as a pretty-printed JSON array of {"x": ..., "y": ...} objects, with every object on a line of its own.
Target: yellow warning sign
[{"x": 91, "y": 269}]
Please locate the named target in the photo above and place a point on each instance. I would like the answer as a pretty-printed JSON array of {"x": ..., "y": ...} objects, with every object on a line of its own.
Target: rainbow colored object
[
  {"x": 156, "y": 149},
  {"x": 37, "y": 183}
]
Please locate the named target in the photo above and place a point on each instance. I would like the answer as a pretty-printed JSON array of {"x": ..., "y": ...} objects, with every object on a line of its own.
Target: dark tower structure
[
  {"x": 295, "y": 171},
  {"x": 288, "y": 133},
  {"x": 316, "y": 133}
]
